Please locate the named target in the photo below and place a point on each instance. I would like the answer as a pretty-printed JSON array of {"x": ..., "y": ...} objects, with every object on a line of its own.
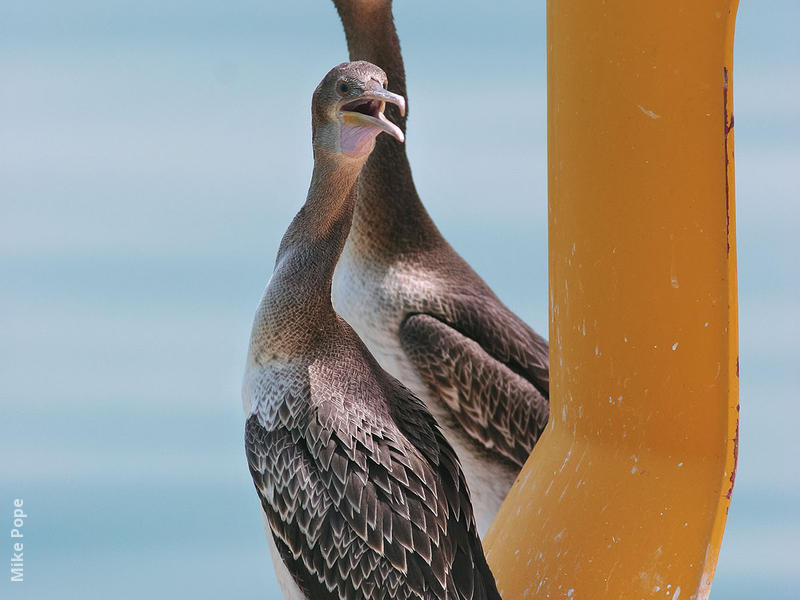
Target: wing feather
[
  {"x": 495, "y": 387},
  {"x": 359, "y": 503}
]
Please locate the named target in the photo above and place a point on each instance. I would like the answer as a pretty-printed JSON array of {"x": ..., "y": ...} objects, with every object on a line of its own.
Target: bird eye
[{"x": 343, "y": 88}]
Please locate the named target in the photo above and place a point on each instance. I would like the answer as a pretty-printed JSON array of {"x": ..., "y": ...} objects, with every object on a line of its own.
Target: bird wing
[
  {"x": 488, "y": 367},
  {"x": 471, "y": 574},
  {"x": 364, "y": 506}
]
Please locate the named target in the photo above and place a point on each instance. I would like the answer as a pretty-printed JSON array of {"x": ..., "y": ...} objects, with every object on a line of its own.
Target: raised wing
[
  {"x": 366, "y": 508},
  {"x": 489, "y": 368}
]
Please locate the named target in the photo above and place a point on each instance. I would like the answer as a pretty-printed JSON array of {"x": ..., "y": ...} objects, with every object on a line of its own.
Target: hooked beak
[{"x": 367, "y": 111}]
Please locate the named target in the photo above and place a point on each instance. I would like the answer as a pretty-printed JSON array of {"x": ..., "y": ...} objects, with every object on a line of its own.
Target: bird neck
[
  {"x": 389, "y": 215},
  {"x": 371, "y": 36},
  {"x": 296, "y": 309}
]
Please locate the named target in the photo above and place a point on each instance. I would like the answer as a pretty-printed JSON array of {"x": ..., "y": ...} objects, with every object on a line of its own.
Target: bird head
[{"x": 347, "y": 110}]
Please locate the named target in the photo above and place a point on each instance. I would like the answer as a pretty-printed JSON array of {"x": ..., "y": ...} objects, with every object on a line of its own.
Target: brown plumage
[
  {"x": 428, "y": 318},
  {"x": 362, "y": 496}
]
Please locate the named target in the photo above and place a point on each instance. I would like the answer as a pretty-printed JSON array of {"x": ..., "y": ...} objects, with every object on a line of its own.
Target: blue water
[{"x": 151, "y": 155}]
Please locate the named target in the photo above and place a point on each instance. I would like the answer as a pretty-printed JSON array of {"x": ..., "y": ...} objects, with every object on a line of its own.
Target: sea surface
[{"x": 151, "y": 155}]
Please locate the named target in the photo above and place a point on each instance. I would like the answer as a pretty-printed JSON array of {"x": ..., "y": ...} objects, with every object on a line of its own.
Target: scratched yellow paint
[{"x": 627, "y": 492}]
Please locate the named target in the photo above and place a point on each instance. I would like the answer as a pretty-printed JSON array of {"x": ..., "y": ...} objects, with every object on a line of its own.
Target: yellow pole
[{"x": 627, "y": 492}]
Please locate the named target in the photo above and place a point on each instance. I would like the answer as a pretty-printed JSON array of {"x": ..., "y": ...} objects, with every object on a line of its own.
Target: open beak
[{"x": 367, "y": 111}]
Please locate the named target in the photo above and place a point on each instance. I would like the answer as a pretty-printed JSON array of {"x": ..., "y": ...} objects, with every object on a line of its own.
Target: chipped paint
[
  {"x": 727, "y": 127},
  {"x": 735, "y": 456},
  {"x": 649, "y": 113}
]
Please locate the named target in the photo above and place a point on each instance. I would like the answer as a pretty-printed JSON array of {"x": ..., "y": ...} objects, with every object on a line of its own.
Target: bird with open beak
[
  {"x": 348, "y": 112},
  {"x": 362, "y": 496}
]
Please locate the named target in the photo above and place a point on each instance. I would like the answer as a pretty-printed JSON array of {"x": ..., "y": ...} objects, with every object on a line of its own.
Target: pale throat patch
[{"x": 357, "y": 140}]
